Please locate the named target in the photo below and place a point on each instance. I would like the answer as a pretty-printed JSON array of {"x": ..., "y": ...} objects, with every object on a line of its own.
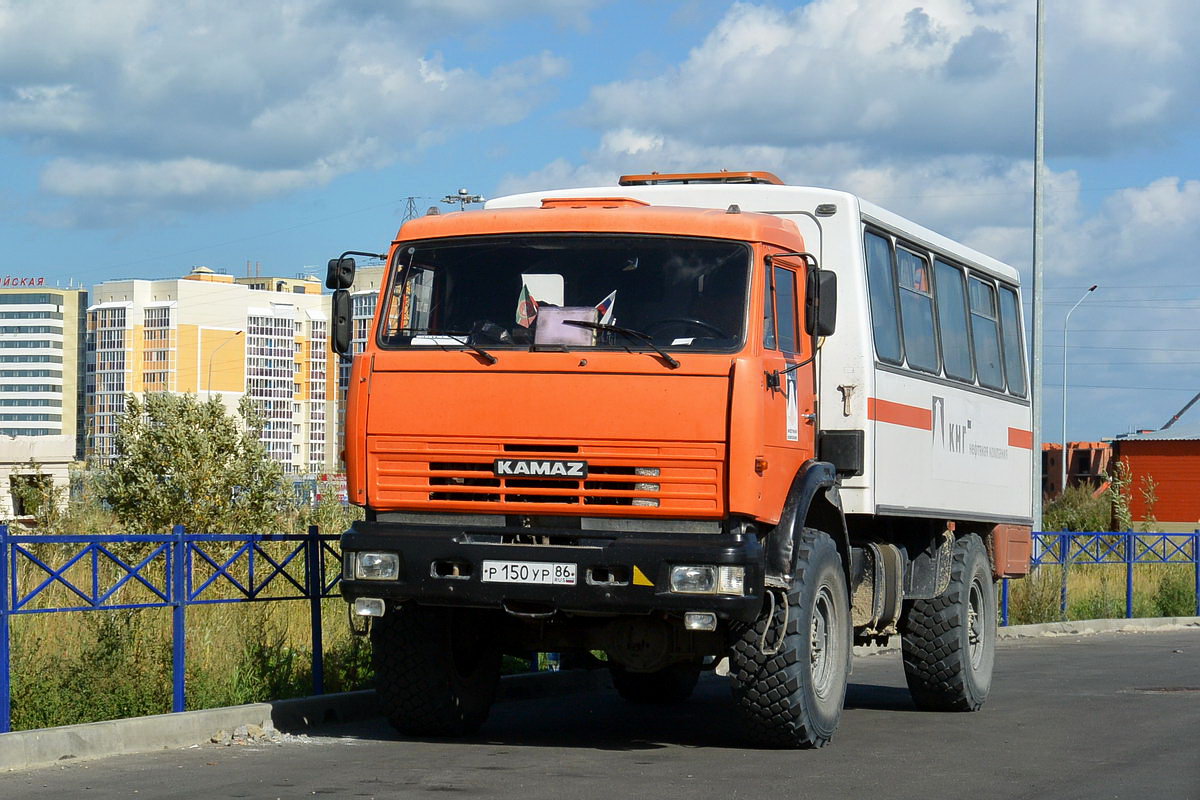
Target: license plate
[{"x": 528, "y": 572}]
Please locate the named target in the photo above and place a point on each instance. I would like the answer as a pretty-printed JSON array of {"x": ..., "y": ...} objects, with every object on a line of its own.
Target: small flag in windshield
[
  {"x": 526, "y": 308},
  {"x": 605, "y": 307}
]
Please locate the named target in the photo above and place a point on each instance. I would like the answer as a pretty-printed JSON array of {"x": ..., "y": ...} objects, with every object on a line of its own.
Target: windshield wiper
[
  {"x": 462, "y": 339},
  {"x": 628, "y": 333}
]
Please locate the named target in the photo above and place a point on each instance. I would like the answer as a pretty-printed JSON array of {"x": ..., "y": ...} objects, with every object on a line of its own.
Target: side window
[
  {"x": 916, "y": 311},
  {"x": 952, "y": 322},
  {"x": 1014, "y": 352},
  {"x": 768, "y": 314},
  {"x": 985, "y": 334},
  {"x": 785, "y": 308},
  {"x": 881, "y": 281},
  {"x": 411, "y": 306}
]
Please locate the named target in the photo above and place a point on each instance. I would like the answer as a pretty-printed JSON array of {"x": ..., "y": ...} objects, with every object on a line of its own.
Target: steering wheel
[{"x": 662, "y": 324}]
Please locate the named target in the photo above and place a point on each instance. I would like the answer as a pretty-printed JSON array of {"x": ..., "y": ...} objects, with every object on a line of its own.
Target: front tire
[
  {"x": 794, "y": 697},
  {"x": 949, "y": 642},
  {"x": 436, "y": 669}
]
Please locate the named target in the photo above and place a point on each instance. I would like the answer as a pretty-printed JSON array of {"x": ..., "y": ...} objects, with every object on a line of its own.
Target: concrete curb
[
  {"x": 1090, "y": 626},
  {"x": 27, "y": 749}
]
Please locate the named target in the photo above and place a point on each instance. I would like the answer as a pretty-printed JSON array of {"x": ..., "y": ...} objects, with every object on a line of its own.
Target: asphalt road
[{"x": 1102, "y": 716}]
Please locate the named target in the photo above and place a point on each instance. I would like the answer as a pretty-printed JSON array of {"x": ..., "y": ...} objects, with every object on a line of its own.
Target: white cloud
[
  {"x": 220, "y": 102},
  {"x": 923, "y": 77}
]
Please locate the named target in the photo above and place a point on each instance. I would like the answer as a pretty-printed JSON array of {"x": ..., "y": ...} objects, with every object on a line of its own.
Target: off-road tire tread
[
  {"x": 935, "y": 660},
  {"x": 414, "y": 675},
  {"x": 768, "y": 689}
]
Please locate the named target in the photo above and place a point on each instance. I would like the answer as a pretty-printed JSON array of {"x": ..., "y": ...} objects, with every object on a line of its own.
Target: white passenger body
[{"x": 934, "y": 447}]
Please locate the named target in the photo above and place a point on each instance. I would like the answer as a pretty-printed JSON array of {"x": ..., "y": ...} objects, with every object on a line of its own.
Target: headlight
[
  {"x": 693, "y": 580},
  {"x": 705, "y": 579},
  {"x": 376, "y": 566}
]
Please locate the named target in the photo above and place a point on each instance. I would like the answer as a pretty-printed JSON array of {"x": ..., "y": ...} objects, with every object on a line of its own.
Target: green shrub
[
  {"x": 1077, "y": 510},
  {"x": 1176, "y": 593}
]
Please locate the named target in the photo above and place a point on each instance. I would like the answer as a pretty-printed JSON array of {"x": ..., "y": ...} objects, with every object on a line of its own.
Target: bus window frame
[
  {"x": 968, "y": 273},
  {"x": 891, "y": 241},
  {"x": 898, "y": 245}
]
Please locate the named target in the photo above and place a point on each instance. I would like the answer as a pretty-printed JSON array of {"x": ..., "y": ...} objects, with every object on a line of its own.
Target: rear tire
[
  {"x": 667, "y": 686},
  {"x": 436, "y": 669},
  {"x": 949, "y": 642},
  {"x": 794, "y": 697}
]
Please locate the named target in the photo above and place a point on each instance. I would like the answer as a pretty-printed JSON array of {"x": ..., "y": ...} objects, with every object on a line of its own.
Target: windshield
[{"x": 530, "y": 291}]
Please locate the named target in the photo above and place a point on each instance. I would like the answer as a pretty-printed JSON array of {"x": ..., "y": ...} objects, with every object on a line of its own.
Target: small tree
[
  {"x": 1149, "y": 489},
  {"x": 182, "y": 461},
  {"x": 1119, "y": 495}
]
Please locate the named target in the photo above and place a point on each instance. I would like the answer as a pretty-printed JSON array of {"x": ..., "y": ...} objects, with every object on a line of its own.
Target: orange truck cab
[{"x": 591, "y": 425}]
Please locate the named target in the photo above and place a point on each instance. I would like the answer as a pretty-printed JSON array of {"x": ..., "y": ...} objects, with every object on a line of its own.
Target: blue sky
[{"x": 141, "y": 137}]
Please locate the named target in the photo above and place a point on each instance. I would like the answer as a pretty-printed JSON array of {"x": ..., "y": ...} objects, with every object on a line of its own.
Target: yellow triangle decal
[{"x": 639, "y": 578}]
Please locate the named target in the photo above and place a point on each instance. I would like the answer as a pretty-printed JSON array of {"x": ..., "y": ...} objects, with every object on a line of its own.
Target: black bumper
[{"x": 426, "y": 550}]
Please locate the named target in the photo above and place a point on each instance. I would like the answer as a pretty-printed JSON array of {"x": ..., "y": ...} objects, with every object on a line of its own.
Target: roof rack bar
[{"x": 724, "y": 176}]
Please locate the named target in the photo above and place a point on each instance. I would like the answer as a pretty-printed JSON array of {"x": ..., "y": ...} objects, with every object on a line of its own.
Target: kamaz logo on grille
[{"x": 505, "y": 467}]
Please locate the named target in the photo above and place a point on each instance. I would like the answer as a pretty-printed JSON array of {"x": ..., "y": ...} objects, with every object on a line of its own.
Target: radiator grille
[{"x": 653, "y": 478}]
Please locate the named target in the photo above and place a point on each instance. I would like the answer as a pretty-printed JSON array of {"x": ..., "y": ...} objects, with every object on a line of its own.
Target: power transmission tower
[{"x": 410, "y": 209}]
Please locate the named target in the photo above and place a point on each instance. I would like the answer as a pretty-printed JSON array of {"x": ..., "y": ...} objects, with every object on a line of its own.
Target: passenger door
[{"x": 789, "y": 396}]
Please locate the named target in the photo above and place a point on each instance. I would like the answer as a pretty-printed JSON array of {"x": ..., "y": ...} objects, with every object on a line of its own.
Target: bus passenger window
[
  {"x": 952, "y": 322},
  {"x": 785, "y": 308},
  {"x": 1014, "y": 353},
  {"x": 916, "y": 311},
  {"x": 881, "y": 281},
  {"x": 985, "y": 335}
]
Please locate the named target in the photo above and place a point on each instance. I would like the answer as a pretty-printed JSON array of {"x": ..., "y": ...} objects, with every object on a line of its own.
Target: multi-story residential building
[
  {"x": 209, "y": 334},
  {"x": 41, "y": 365}
]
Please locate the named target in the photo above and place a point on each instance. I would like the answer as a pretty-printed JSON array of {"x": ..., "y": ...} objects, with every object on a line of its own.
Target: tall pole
[
  {"x": 1039, "y": 159},
  {"x": 214, "y": 355},
  {"x": 1066, "y": 322}
]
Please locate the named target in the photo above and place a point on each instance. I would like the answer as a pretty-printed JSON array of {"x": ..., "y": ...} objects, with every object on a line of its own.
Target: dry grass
[
  {"x": 93, "y": 665},
  {"x": 1098, "y": 592}
]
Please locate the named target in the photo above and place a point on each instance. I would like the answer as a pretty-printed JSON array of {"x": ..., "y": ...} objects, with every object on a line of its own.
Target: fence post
[
  {"x": 1004, "y": 602},
  {"x": 5, "y": 659},
  {"x": 1130, "y": 551},
  {"x": 1196, "y": 565},
  {"x": 314, "y": 560},
  {"x": 178, "y": 617},
  {"x": 1064, "y": 550}
]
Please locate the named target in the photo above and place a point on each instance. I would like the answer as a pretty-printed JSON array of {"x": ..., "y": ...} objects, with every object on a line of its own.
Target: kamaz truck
[{"x": 689, "y": 422}]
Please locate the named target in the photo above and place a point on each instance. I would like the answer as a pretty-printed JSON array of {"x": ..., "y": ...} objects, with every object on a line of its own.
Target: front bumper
[{"x": 606, "y": 580}]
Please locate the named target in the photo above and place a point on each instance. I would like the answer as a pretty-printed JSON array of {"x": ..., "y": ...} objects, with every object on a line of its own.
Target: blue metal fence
[
  {"x": 183, "y": 569},
  {"x": 1065, "y": 549},
  {"x": 174, "y": 570}
]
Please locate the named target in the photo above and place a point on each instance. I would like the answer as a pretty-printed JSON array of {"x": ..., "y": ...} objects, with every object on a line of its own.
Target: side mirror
[
  {"x": 820, "y": 303},
  {"x": 340, "y": 329},
  {"x": 340, "y": 274}
]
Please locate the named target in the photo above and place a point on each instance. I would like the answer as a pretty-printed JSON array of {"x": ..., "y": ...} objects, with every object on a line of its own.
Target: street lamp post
[
  {"x": 1066, "y": 322},
  {"x": 214, "y": 355}
]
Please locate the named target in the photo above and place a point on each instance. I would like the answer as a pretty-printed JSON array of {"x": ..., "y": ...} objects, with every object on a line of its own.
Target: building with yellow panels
[
  {"x": 212, "y": 334},
  {"x": 41, "y": 369}
]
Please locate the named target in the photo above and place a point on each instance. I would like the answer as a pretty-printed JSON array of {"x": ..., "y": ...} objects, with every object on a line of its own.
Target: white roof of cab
[{"x": 772, "y": 199}]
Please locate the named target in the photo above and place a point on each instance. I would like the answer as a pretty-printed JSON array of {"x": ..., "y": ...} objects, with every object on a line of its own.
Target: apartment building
[
  {"x": 213, "y": 334},
  {"x": 41, "y": 369}
]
